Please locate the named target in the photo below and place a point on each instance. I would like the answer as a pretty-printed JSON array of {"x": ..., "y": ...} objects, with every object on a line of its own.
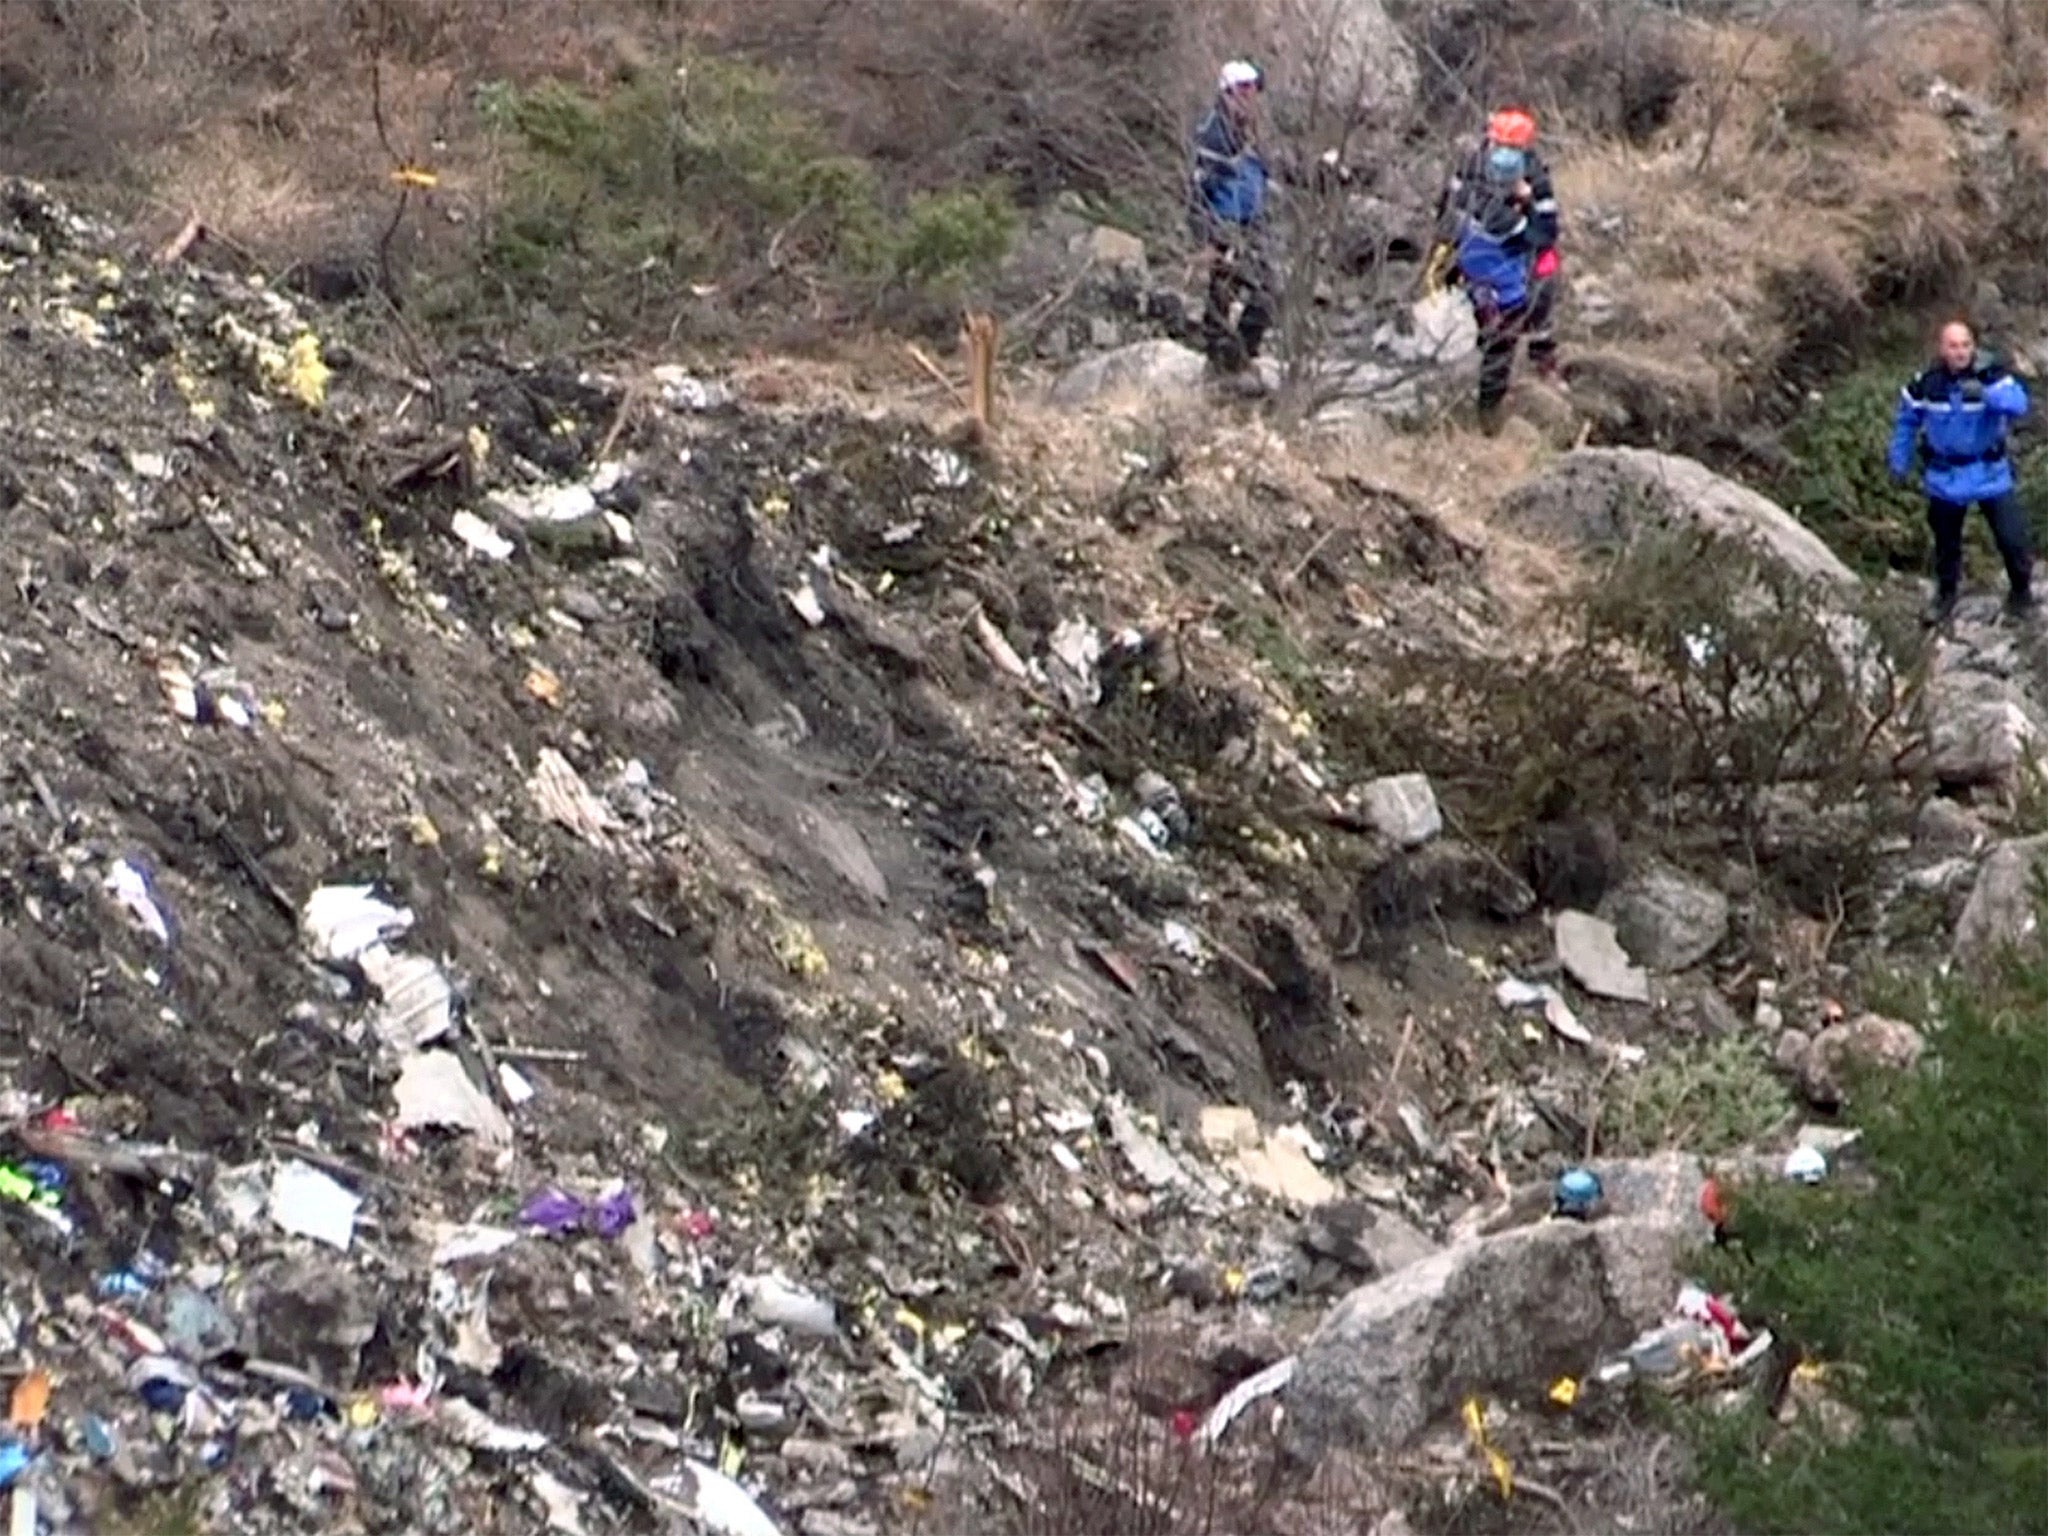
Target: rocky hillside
[{"x": 700, "y": 945}]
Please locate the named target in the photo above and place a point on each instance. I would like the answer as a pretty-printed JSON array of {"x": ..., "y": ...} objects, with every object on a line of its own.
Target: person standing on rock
[
  {"x": 1227, "y": 209},
  {"x": 1954, "y": 418},
  {"x": 1499, "y": 215}
]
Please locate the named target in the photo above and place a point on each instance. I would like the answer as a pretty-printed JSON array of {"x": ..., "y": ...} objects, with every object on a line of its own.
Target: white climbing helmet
[{"x": 1239, "y": 76}]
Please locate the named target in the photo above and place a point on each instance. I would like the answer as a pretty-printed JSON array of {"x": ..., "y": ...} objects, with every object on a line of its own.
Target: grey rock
[
  {"x": 1868, "y": 1042},
  {"x": 841, "y": 846},
  {"x": 1363, "y": 1238},
  {"x": 308, "y": 1314},
  {"x": 1600, "y": 497},
  {"x": 1508, "y": 1312},
  {"x": 1403, "y": 808},
  {"x": 1342, "y": 55},
  {"x": 1666, "y": 920},
  {"x": 583, "y": 605},
  {"x": 2001, "y": 914},
  {"x": 1593, "y": 957},
  {"x": 1943, "y": 827},
  {"x": 1148, "y": 371},
  {"x": 1708, "y": 1014},
  {"x": 1977, "y": 728},
  {"x": 1791, "y": 1049},
  {"x": 1105, "y": 246},
  {"x": 1103, "y": 333}
]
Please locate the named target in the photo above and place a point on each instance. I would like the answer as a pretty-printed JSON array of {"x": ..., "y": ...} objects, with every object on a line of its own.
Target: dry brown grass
[
  {"x": 261, "y": 116},
  {"x": 1800, "y": 150}
]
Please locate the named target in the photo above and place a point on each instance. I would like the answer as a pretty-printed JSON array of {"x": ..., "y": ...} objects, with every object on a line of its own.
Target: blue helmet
[{"x": 1576, "y": 1192}]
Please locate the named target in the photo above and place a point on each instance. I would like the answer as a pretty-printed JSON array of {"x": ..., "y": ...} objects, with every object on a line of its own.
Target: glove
[
  {"x": 1546, "y": 265},
  {"x": 1973, "y": 391}
]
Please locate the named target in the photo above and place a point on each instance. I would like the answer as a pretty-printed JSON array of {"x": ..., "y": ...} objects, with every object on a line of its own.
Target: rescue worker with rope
[{"x": 1497, "y": 232}]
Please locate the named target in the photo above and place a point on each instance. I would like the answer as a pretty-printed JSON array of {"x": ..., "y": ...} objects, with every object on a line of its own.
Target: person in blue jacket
[
  {"x": 1227, "y": 210},
  {"x": 1954, "y": 418},
  {"x": 1499, "y": 216}
]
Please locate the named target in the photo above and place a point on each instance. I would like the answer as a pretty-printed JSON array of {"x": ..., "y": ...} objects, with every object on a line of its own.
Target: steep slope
[{"x": 694, "y": 739}]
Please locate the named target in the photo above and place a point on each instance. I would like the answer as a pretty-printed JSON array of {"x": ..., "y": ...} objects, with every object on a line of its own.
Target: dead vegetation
[{"x": 1681, "y": 691}]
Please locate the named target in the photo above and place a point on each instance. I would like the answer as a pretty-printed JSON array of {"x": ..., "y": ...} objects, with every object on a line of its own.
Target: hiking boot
[
  {"x": 1940, "y": 611},
  {"x": 1551, "y": 372},
  {"x": 2021, "y": 607}
]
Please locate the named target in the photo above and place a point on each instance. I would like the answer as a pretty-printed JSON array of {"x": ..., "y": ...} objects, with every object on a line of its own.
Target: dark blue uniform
[
  {"x": 1954, "y": 424},
  {"x": 1227, "y": 209}
]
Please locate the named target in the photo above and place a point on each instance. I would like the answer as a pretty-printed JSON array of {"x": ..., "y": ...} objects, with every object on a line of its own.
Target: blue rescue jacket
[
  {"x": 1230, "y": 179},
  {"x": 1959, "y": 441}
]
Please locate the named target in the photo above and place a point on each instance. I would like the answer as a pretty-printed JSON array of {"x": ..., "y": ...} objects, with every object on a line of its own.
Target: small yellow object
[
  {"x": 1564, "y": 1391},
  {"x": 797, "y": 951},
  {"x": 362, "y": 1413},
  {"x": 732, "y": 1456},
  {"x": 1806, "y": 1372},
  {"x": 415, "y": 176},
  {"x": 479, "y": 446},
  {"x": 1503, "y": 1470},
  {"x": 1233, "y": 1282},
  {"x": 108, "y": 273},
  {"x": 544, "y": 684},
  {"x": 905, "y": 1318},
  {"x": 273, "y": 713},
  {"x": 423, "y": 832},
  {"x": 306, "y": 372},
  {"x": 890, "y": 1088}
]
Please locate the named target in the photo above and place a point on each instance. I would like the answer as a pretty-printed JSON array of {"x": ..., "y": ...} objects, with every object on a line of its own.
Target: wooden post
[{"x": 979, "y": 336}]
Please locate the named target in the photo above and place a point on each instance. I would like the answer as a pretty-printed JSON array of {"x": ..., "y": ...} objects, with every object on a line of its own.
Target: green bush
[
  {"x": 1923, "y": 1294},
  {"x": 1839, "y": 486},
  {"x": 615, "y": 203},
  {"x": 947, "y": 236},
  {"x": 1707, "y": 1099}
]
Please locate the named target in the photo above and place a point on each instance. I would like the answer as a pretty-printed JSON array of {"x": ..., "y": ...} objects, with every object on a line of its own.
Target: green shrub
[
  {"x": 614, "y": 204},
  {"x": 946, "y": 236},
  {"x": 1924, "y": 1295},
  {"x": 1707, "y": 1099}
]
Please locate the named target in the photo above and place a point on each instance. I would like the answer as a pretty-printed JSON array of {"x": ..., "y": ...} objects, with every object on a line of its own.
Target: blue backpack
[{"x": 1240, "y": 196}]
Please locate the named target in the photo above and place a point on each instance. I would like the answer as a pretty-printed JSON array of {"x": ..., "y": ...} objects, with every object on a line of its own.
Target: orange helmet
[{"x": 1514, "y": 127}]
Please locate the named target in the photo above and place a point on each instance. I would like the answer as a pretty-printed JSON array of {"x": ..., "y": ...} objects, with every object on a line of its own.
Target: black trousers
[
  {"x": 1238, "y": 273},
  {"x": 2008, "y": 531},
  {"x": 1501, "y": 331}
]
